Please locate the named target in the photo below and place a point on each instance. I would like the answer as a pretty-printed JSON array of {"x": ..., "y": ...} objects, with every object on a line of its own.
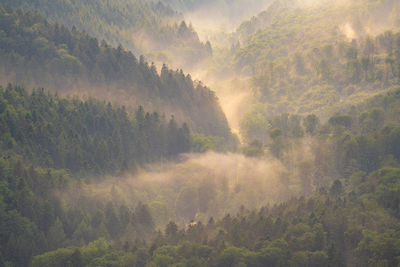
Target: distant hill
[
  {"x": 349, "y": 220},
  {"x": 85, "y": 137},
  {"x": 325, "y": 16},
  {"x": 42, "y": 54},
  {"x": 228, "y": 13},
  {"x": 316, "y": 56},
  {"x": 142, "y": 26}
]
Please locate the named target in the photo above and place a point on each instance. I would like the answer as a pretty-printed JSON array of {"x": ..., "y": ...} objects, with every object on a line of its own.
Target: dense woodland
[
  {"x": 33, "y": 219},
  {"x": 352, "y": 218},
  {"x": 89, "y": 137},
  {"x": 316, "y": 59},
  {"x": 67, "y": 138},
  {"x": 115, "y": 163},
  {"x": 142, "y": 26},
  {"x": 337, "y": 227},
  {"x": 40, "y": 54},
  {"x": 352, "y": 222},
  {"x": 329, "y": 77},
  {"x": 222, "y": 13}
]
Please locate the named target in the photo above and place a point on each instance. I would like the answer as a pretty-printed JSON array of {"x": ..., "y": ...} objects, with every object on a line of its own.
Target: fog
[
  {"x": 197, "y": 187},
  {"x": 221, "y": 15},
  {"x": 200, "y": 186},
  {"x": 234, "y": 95},
  {"x": 348, "y": 31}
]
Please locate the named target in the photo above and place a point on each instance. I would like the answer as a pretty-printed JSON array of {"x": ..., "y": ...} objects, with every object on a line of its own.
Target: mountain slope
[
  {"x": 226, "y": 13},
  {"x": 316, "y": 56},
  {"x": 141, "y": 26},
  {"x": 325, "y": 16},
  {"x": 88, "y": 137},
  {"x": 351, "y": 221},
  {"x": 41, "y": 54}
]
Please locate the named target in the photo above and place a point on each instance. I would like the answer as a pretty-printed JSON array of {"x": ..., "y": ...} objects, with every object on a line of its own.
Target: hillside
[
  {"x": 41, "y": 54},
  {"x": 315, "y": 57},
  {"x": 318, "y": 21},
  {"x": 351, "y": 218},
  {"x": 335, "y": 227},
  {"x": 107, "y": 160},
  {"x": 141, "y": 26},
  {"x": 49, "y": 142},
  {"x": 220, "y": 13},
  {"x": 87, "y": 138}
]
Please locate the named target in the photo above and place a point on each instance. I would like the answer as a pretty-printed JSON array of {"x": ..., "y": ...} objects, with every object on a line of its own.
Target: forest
[
  {"x": 274, "y": 140},
  {"x": 218, "y": 13},
  {"x": 71, "y": 62},
  {"x": 143, "y": 27},
  {"x": 88, "y": 137},
  {"x": 352, "y": 220}
]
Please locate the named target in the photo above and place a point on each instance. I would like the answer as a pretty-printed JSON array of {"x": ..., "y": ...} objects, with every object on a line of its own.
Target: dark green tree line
[
  {"x": 85, "y": 137},
  {"x": 42, "y": 54}
]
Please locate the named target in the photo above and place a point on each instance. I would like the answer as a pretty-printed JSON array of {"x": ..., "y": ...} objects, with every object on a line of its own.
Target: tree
[
  {"x": 342, "y": 120},
  {"x": 76, "y": 258},
  {"x": 112, "y": 221},
  {"x": 144, "y": 218},
  {"x": 56, "y": 236},
  {"x": 171, "y": 229},
  {"x": 365, "y": 64},
  {"x": 325, "y": 70},
  {"x": 254, "y": 149},
  {"x": 318, "y": 258},
  {"x": 311, "y": 124},
  {"x": 336, "y": 188},
  {"x": 232, "y": 256}
]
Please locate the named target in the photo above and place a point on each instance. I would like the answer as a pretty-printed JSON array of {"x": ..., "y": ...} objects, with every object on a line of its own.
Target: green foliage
[
  {"x": 311, "y": 123},
  {"x": 142, "y": 26},
  {"x": 202, "y": 143},
  {"x": 355, "y": 221},
  {"x": 33, "y": 220},
  {"x": 324, "y": 230},
  {"x": 302, "y": 59},
  {"x": 255, "y": 127},
  {"x": 254, "y": 149},
  {"x": 86, "y": 137},
  {"x": 347, "y": 166},
  {"x": 71, "y": 62}
]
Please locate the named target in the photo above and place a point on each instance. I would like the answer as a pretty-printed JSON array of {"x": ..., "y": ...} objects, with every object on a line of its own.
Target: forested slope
[
  {"x": 334, "y": 227},
  {"x": 94, "y": 182},
  {"x": 327, "y": 79},
  {"x": 350, "y": 219},
  {"x": 225, "y": 13},
  {"x": 41, "y": 54},
  {"x": 316, "y": 56},
  {"x": 48, "y": 143},
  {"x": 89, "y": 137},
  {"x": 34, "y": 220},
  {"x": 311, "y": 22},
  {"x": 142, "y": 26}
]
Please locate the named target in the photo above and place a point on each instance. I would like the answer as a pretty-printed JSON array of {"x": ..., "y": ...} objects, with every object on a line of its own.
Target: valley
[{"x": 199, "y": 133}]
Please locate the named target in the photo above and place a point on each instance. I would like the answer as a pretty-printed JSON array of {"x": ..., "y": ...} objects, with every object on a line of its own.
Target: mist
[
  {"x": 223, "y": 16},
  {"x": 227, "y": 15},
  {"x": 204, "y": 133},
  {"x": 198, "y": 187},
  {"x": 235, "y": 97}
]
